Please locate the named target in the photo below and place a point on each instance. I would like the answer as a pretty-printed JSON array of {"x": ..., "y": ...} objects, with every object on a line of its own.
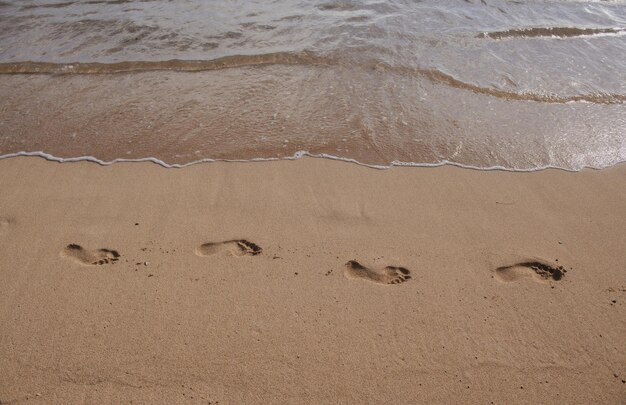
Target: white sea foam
[{"x": 295, "y": 156}]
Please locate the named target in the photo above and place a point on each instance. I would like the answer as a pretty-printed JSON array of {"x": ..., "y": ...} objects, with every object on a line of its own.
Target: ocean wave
[
  {"x": 71, "y": 3},
  {"x": 292, "y": 58},
  {"x": 552, "y": 32}
]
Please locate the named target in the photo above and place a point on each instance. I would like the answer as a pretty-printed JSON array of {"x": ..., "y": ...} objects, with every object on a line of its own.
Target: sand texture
[{"x": 310, "y": 281}]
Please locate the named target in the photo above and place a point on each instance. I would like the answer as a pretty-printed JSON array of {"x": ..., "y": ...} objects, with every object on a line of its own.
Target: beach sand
[{"x": 227, "y": 283}]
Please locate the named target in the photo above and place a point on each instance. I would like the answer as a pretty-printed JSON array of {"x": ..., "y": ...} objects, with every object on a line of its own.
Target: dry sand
[{"x": 169, "y": 314}]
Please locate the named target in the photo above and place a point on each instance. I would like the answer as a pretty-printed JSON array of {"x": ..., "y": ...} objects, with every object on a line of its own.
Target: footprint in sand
[
  {"x": 90, "y": 257},
  {"x": 5, "y": 224},
  {"x": 238, "y": 247},
  {"x": 538, "y": 270},
  {"x": 388, "y": 275}
]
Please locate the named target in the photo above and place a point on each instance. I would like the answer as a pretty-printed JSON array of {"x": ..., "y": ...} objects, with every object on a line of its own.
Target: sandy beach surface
[{"x": 310, "y": 281}]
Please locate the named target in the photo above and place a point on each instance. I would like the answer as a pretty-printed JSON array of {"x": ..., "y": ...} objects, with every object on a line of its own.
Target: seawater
[{"x": 486, "y": 84}]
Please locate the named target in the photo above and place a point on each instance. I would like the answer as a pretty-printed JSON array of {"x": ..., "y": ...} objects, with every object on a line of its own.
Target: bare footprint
[
  {"x": 388, "y": 275},
  {"x": 90, "y": 257},
  {"x": 5, "y": 224},
  {"x": 538, "y": 270},
  {"x": 238, "y": 247}
]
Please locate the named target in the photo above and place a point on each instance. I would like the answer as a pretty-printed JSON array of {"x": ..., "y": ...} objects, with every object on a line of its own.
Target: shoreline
[
  {"x": 236, "y": 283},
  {"x": 296, "y": 156}
]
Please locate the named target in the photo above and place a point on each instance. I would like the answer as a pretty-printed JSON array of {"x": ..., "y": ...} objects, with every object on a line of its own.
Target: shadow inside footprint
[
  {"x": 388, "y": 275},
  {"x": 5, "y": 224},
  {"x": 237, "y": 247},
  {"x": 541, "y": 271},
  {"x": 90, "y": 257}
]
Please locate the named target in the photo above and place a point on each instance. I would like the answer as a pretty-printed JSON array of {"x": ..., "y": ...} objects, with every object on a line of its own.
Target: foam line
[{"x": 295, "y": 156}]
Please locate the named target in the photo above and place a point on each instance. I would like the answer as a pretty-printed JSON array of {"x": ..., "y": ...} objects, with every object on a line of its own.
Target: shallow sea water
[{"x": 519, "y": 85}]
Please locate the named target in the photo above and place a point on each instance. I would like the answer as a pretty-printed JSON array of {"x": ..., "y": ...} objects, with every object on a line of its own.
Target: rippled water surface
[{"x": 517, "y": 84}]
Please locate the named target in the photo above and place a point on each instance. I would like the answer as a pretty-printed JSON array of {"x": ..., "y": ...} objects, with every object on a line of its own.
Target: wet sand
[{"x": 310, "y": 281}]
